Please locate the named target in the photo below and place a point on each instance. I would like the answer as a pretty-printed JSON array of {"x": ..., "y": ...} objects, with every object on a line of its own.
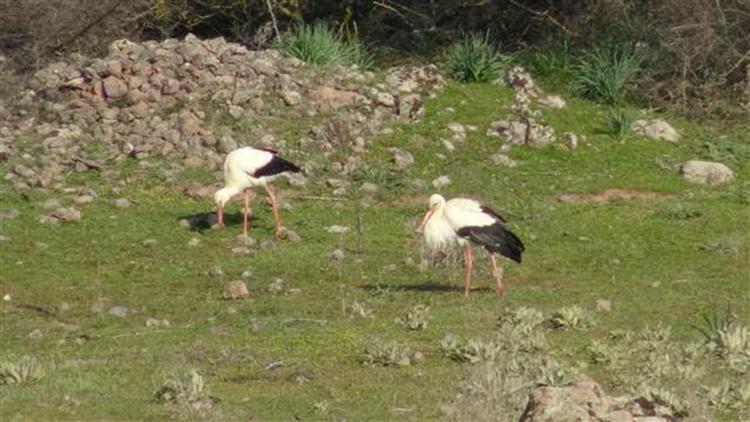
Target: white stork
[
  {"x": 247, "y": 168},
  {"x": 465, "y": 221}
]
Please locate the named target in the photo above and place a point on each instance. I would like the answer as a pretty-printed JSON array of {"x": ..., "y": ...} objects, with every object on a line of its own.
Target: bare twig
[
  {"x": 273, "y": 19},
  {"x": 88, "y": 163},
  {"x": 544, "y": 15}
]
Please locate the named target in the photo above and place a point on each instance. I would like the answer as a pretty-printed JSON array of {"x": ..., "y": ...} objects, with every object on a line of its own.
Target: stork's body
[
  {"x": 251, "y": 168},
  {"x": 464, "y": 222}
]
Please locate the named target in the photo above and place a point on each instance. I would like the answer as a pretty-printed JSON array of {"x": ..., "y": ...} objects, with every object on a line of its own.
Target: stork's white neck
[{"x": 223, "y": 195}]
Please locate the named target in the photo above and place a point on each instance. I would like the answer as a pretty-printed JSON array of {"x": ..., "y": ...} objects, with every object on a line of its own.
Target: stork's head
[
  {"x": 223, "y": 195},
  {"x": 436, "y": 204}
]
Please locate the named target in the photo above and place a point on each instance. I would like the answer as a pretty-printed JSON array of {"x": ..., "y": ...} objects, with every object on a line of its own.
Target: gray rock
[
  {"x": 236, "y": 289},
  {"x": 114, "y": 87},
  {"x": 706, "y": 172},
  {"x": 9, "y": 213},
  {"x": 36, "y": 334},
  {"x": 655, "y": 129},
  {"x": 552, "y": 101},
  {"x": 368, "y": 188},
  {"x": 276, "y": 286},
  {"x": 241, "y": 250},
  {"x": 119, "y": 311},
  {"x": 336, "y": 229},
  {"x": 385, "y": 99},
  {"x": 156, "y": 323},
  {"x": 65, "y": 215},
  {"x": 215, "y": 272},
  {"x": 194, "y": 242},
  {"x": 122, "y": 202},
  {"x": 51, "y": 203},
  {"x": 441, "y": 182},
  {"x": 149, "y": 243},
  {"x": 603, "y": 305},
  {"x": 291, "y": 97},
  {"x": 504, "y": 160},
  {"x": 83, "y": 199},
  {"x": 338, "y": 254},
  {"x": 400, "y": 158}
]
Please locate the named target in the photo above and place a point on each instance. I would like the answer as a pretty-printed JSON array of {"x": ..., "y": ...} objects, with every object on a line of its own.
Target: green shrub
[
  {"x": 551, "y": 57},
  {"x": 319, "y": 44},
  {"x": 618, "y": 123},
  {"x": 474, "y": 59},
  {"x": 26, "y": 370},
  {"x": 603, "y": 74}
]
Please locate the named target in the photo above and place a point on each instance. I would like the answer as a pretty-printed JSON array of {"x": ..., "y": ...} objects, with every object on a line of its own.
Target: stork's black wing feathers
[
  {"x": 275, "y": 166},
  {"x": 487, "y": 210},
  {"x": 495, "y": 238}
]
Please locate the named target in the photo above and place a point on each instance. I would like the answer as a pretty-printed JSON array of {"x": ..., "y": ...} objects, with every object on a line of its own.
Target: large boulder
[
  {"x": 655, "y": 129},
  {"x": 586, "y": 400},
  {"x": 706, "y": 172}
]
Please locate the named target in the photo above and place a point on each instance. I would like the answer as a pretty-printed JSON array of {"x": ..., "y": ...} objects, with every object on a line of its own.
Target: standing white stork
[
  {"x": 247, "y": 168},
  {"x": 465, "y": 221}
]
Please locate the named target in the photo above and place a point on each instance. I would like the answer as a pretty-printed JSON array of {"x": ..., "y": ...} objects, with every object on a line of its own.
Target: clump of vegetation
[
  {"x": 415, "y": 319},
  {"x": 619, "y": 123},
  {"x": 474, "y": 59},
  {"x": 572, "y": 317},
  {"x": 730, "y": 397},
  {"x": 357, "y": 309},
  {"x": 551, "y": 57},
  {"x": 679, "y": 211},
  {"x": 319, "y": 44},
  {"x": 184, "y": 389},
  {"x": 526, "y": 318},
  {"x": 25, "y": 370},
  {"x": 726, "y": 338},
  {"x": 603, "y": 73},
  {"x": 389, "y": 354},
  {"x": 471, "y": 351}
]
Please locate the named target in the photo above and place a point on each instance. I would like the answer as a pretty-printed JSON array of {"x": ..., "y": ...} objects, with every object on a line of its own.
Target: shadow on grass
[
  {"x": 427, "y": 286},
  {"x": 204, "y": 220}
]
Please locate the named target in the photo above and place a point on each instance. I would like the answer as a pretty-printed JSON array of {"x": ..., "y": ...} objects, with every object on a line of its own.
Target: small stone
[
  {"x": 369, "y": 188},
  {"x": 156, "y": 323},
  {"x": 194, "y": 242},
  {"x": 63, "y": 307},
  {"x": 385, "y": 99},
  {"x": 122, "y": 202},
  {"x": 448, "y": 145},
  {"x": 706, "y": 172},
  {"x": 291, "y": 97},
  {"x": 65, "y": 215},
  {"x": 417, "y": 358},
  {"x": 267, "y": 244},
  {"x": 113, "y": 87},
  {"x": 336, "y": 229},
  {"x": 98, "y": 306},
  {"x": 441, "y": 181},
  {"x": 337, "y": 254},
  {"x": 215, "y": 272},
  {"x": 389, "y": 268},
  {"x": 236, "y": 289},
  {"x": 149, "y": 242},
  {"x": 241, "y": 250},
  {"x": 656, "y": 284},
  {"x": 276, "y": 286},
  {"x": 83, "y": 199},
  {"x": 7, "y": 297},
  {"x": 289, "y": 235},
  {"x": 457, "y": 128},
  {"x": 119, "y": 311},
  {"x": 504, "y": 160},
  {"x": 9, "y": 213},
  {"x": 655, "y": 129},
  {"x": 247, "y": 274},
  {"x": 337, "y": 183},
  {"x": 246, "y": 240},
  {"x": 603, "y": 305},
  {"x": 400, "y": 158},
  {"x": 571, "y": 140},
  {"x": 552, "y": 101},
  {"x": 36, "y": 334},
  {"x": 51, "y": 204},
  {"x": 419, "y": 185}
]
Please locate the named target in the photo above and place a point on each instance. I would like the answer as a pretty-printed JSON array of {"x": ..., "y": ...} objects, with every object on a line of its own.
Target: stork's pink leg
[
  {"x": 245, "y": 213},
  {"x": 497, "y": 271},
  {"x": 275, "y": 209},
  {"x": 469, "y": 262},
  {"x": 220, "y": 216}
]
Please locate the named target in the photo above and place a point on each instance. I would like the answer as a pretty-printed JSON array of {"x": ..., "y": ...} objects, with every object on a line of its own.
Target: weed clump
[
  {"x": 603, "y": 74},
  {"x": 389, "y": 354},
  {"x": 185, "y": 389},
  {"x": 414, "y": 320},
  {"x": 572, "y": 317},
  {"x": 25, "y": 370},
  {"x": 618, "y": 123},
  {"x": 474, "y": 59},
  {"x": 318, "y": 44}
]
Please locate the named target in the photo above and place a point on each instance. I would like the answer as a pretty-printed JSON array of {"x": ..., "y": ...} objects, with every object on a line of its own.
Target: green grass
[
  {"x": 605, "y": 72},
  {"x": 284, "y": 355},
  {"x": 319, "y": 44},
  {"x": 474, "y": 59}
]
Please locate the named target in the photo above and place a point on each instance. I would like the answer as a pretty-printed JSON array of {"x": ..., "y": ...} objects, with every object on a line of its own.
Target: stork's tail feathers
[
  {"x": 277, "y": 165},
  {"x": 496, "y": 239}
]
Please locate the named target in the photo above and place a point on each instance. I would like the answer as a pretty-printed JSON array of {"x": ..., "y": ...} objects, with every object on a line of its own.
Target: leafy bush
[
  {"x": 183, "y": 389},
  {"x": 573, "y": 317},
  {"x": 319, "y": 44},
  {"x": 474, "y": 59},
  {"x": 415, "y": 319},
  {"x": 387, "y": 355},
  {"x": 26, "y": 370},
  {"x": 551, "y": 57},
  {"x": 618, "y": 123},
  {"x": 603, "y": 73}
]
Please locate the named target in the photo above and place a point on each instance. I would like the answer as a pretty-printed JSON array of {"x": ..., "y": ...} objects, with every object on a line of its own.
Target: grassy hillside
[{"x": 297, "y": 351}]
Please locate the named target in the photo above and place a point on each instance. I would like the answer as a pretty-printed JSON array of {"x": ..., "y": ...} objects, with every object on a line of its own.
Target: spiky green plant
[
  {"x": 389, "y": 354},
  {"x": 319, "y": 44},
  {"x": 604, "y": 72},
  {"x": 415, "y": 319},
  {"x": 618, "y": 123},
  {"x": 25, "y": 370},
  {"x": 552, "y": 57},
  {"x": 474, "y": 59},
  {"x": 572, "y": 317},
  {"x": 184, "y": 388}
]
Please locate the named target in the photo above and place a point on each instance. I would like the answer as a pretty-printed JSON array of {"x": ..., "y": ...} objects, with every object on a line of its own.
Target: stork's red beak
[{"x": 426, "y": 219}]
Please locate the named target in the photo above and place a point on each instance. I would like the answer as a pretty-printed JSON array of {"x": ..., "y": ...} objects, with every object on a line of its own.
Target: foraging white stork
[
  {"x": 247, "y": 168},
  {"x": 464, "y": 221}
]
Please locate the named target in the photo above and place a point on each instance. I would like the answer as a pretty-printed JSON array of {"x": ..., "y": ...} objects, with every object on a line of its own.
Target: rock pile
[{"x": 176, "y": 98}]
